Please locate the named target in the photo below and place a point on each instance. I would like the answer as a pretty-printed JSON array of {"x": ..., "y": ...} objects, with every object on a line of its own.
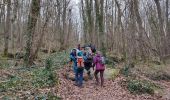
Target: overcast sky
[
  {"x": 75, "y": 10},
  {"x": 76, "y": 1},
  {"x": 76, "y": 15}
]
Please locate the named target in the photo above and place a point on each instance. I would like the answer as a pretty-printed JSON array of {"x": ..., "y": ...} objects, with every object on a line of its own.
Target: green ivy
[{"x": 141, "y": 86}]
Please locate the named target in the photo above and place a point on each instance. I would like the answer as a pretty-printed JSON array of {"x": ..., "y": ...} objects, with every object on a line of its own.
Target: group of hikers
[{"x": 85, "y": 58}]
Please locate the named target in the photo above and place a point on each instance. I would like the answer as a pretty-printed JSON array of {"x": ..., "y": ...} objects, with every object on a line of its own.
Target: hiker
[
  {"x": 98, "y": 63},
  {"x": 78, "y": 47},
  {"x": 93, "y": 48},
  {"x": 80, "y": 69},
  {"x": 88, "y": 60},
  {"x": 73, "y": 58}
]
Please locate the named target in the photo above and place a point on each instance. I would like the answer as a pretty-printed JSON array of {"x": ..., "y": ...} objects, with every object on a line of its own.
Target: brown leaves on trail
[
  {"x": 111, "y": 91},
  {"x": 66, "y": 89},
  {"x": 5, "y": 74}
]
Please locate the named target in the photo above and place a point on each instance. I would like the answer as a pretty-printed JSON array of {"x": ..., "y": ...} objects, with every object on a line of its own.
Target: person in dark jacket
[
  {"x": 73, "y": 58},
  {"x": 88, "y": 60}
]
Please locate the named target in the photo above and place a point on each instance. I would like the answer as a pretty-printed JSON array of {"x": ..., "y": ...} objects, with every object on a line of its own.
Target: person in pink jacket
[{"x": 99, "y": 65}]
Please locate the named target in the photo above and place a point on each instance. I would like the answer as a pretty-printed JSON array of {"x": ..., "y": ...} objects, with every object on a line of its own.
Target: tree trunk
[
  {"x": 32, "y": 20},
  {"x": 99, "y": 5},
  {"x": 101, "y": 27},
  {"x": 89, "y": 9},
  {"x": 84, "y": 21},
  {"x": 140, "y": 28},
  {"x": 132, "y": 45},
  {"x": 167, "y": 26},
  {"x": 162, "y": 45},
  {"x": 39, "y": 43},
  {"x": 7, "y": 28},
  {"x": 62, "y": 34}
]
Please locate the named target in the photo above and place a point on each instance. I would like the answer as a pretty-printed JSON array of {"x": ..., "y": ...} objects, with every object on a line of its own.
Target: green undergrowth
[
  {"x": 141, "y": 86},
  {"x": 49, "y": 96},
  {"x": 114, "y": 58},
  {"x": 151, "y": 70},
  {"x": 34, "y": 77},
  {"x": 111, "y": 73},
  {"x": 38, "y": 78},
  {"x": 154, "y": 71},
  {"x": 45, "y": 77},
  {"x": 40, "y": 96},
  {"x": 60, "y": 58},
  {"x": 5, "y": 63},
  {"x": 10, "y": 84},
  {"x": 158, "y": 75},
  {"x": 135, "y": 75},
  {"x": 31, "y": 78},
  {"x": 127, "y": 70}
]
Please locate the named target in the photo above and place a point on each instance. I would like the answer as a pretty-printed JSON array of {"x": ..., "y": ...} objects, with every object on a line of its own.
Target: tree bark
[
  {"x": 7, "y": 28},
  {"x": 162, "y": 44},
  {"x": 99, "y": 5},
  {"x": 32, "y": 20},
  {"x": 167, "y": 26},
  {"x": 140, "y": 28},
  {"x": 85, "y": 26},
  {"x": 39, "y": 42}
]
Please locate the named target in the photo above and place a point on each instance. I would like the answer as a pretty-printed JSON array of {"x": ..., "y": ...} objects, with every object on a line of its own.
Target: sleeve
[
  {"x": 72, "y": 57},
  {"x": 94, "y": 61},
  {"x": 85, "y": 58}
]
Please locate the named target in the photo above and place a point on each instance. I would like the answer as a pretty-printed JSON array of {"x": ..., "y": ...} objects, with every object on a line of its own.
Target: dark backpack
[
  {"x": 93, "y": 48},
  {"x": 89, "y": 58}
]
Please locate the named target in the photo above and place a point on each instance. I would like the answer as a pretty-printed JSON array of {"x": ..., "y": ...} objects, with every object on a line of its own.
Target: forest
[{"x": 38, "y": 39}]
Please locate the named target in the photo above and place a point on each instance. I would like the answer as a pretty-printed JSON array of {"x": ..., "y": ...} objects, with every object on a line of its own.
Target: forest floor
[
  {"x": 21, "y": 83},
  {"x": 112, "y": 90}
]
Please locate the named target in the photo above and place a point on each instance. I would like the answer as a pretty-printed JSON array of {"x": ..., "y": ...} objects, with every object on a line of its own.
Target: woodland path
[{"x": 111, "y": 91}]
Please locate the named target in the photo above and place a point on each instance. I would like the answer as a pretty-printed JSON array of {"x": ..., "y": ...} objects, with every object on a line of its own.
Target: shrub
[
  {"x": 141, "y": 86},
  {"x": 49, "y": 96},
  {"x": 111, "y": 74},
  {"x": 45, "y": 77},
  {"x": 53, "y": 97},
  {"x": 12, "y": 83},
  {"x": 126, "y": 70},
  {"x": 48, "y": 64},
  {"x": 60, "y": 59},
  {"x": 160, "y": 76}
]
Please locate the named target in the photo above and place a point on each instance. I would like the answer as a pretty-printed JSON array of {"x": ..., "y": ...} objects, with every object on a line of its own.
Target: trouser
[
  {"x": 87, "y": 67},
  {"x": 74, "y": 67},
  {"x": 79, "y": 76},
  {"x": 101, "y": 76}
]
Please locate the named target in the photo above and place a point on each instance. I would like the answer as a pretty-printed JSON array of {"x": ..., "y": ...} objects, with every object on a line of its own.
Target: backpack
[
  {"x": 102, "y": 60},
  {"x": 80, "y": 61},
  {"x": 89, "y": 58},
  {"x": 93, "y": 48}
]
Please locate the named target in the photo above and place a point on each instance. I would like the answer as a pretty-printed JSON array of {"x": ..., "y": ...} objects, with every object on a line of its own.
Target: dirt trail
[
  {"x": 167, "y": 90},
  {"x": 111, "y": 91}
]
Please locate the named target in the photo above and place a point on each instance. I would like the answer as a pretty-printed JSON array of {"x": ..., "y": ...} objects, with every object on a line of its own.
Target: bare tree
[
  {"x": 32, "y": 20},
  {"x": 7, "y": 28},
  {"x": 167, "y": 25},
  {"x": 162, "y": 44}
]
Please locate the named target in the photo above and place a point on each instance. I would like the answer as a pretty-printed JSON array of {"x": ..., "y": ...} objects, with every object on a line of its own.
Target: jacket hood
[{"x": 75, "y": 49}]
